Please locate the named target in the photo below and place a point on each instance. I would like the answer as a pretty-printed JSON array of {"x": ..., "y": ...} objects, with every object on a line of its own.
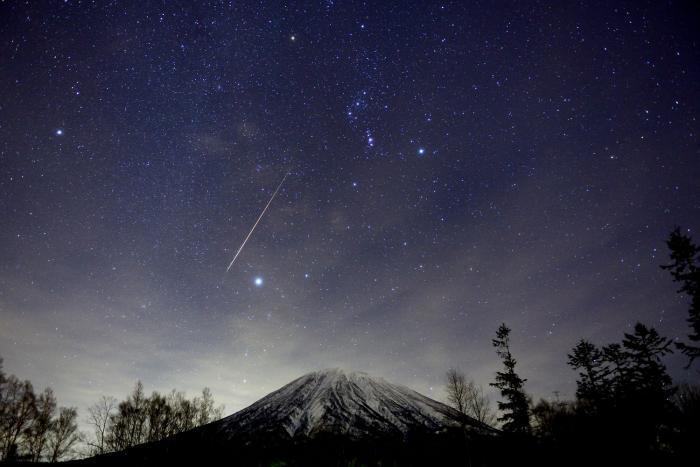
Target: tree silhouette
[
  {"x": 30, "y": 430},
  {"x": 623, "y": 390},
  {"x": 646, "y": 388},
  {"x": 592, "y": 387},
  {"x": 127, "y": 424},
  {"x": 686, "y": 404},
  {"x": 456, "y": 390},
  {"x": 17, "y": 412},
  {"x": 159, "y": 417},
  {"x": 64, "y": 434},
  {"x": 644, "y": 349},
  {"x": 38, "y": 432},
  {"x": 140, "y": 419},
  {"x": 553, "y": 420},
  {"x": 479, "y": 404},
  {"x": 99, "y": 417},
  {"x": 686, "y": 269},
  {"x": 468, "y": 397},
  {"x": 515, "y": 412}
]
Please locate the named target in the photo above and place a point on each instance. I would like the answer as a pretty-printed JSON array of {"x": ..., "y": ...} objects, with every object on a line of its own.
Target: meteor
[{"x": 256, "y": 222}]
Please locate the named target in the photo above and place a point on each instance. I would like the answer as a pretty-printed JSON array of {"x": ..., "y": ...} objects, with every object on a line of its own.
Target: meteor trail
[{"x": 256, "y": 222}]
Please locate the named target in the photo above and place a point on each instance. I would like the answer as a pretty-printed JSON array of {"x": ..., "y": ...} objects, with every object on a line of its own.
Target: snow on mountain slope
[{"x": 353, "y": 404}]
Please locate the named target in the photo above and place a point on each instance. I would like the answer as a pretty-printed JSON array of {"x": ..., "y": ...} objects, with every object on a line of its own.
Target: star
[
  {"x": 59, "y": 132},
  {"x": 258, "y": 281},
  {"x": 421, "y": 151}
]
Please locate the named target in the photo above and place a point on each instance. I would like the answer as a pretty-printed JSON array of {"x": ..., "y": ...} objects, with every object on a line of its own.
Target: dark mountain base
[
  {"x": 319, "y": 451},
  {"x": 445, "y": 449}
]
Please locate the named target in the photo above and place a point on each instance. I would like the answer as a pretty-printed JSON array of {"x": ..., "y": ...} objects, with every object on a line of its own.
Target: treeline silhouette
[
  {"x": 626, "y": 410},
  {"x": 34, "y": 429},
  {"x": 142, "y": 419}
]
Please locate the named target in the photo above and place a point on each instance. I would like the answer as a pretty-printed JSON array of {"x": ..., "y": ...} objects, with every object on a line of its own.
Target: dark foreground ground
[{"x": 445, "y": 449}]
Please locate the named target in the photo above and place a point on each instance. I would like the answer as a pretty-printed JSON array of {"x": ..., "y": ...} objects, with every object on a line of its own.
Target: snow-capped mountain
[
  {"x": 329, "y": 417},
  {"x": 351, "y": 404}
]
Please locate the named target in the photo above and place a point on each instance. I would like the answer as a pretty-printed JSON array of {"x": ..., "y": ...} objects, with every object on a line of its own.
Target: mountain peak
[
  {"x": 339, "y": 375},
  {"x": 331, "y": 372}
]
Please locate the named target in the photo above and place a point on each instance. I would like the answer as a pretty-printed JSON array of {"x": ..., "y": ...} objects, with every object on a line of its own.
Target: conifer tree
[
  {"x": 592, "y": 387},
  {"x": 686, "y": 270},
  {"x": 515, "y": 412},
  {"x": 645, "y": 372},
  {"x": 645, "y": 390}
]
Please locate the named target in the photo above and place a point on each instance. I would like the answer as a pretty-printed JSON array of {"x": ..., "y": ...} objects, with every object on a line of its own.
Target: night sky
[{"x": 451, "y": 166}]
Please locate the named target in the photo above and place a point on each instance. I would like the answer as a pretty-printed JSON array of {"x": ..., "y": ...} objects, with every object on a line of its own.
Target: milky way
[{"x": 453, "y": 165}]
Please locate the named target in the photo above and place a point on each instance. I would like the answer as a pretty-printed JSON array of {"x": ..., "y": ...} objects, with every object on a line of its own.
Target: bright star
[
  {"x": 421, "y": 151},
  {"x": 59, "y": 132},
  {"x": 293, "y": 38},
  {"x": 258, "y": 281}
]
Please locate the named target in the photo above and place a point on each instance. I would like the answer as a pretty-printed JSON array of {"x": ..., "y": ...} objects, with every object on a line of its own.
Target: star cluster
[{"x": 452, "y": 165}]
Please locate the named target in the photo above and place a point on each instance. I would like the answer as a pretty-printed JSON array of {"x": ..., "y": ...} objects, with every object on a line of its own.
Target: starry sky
[{"x": 451, "y": 165}]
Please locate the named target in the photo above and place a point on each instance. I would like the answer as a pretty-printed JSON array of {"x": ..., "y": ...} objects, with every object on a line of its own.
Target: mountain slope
[{"x": 351, "y": 404}]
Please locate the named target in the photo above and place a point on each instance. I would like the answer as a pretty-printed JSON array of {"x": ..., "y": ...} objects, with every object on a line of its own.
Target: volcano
[
  {"x": 352, "y": 404},
  {"x": 329, "y": 417}
]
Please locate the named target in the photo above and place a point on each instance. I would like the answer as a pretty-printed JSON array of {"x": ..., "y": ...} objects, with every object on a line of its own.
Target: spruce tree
[
  {"x": 645, "y": 372},
  {"x": 645, "y": 388},
  {"x": 515, "y": 412},
  {"x": 592, "y": 388},
  {"x": 686, "y": 270}
]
